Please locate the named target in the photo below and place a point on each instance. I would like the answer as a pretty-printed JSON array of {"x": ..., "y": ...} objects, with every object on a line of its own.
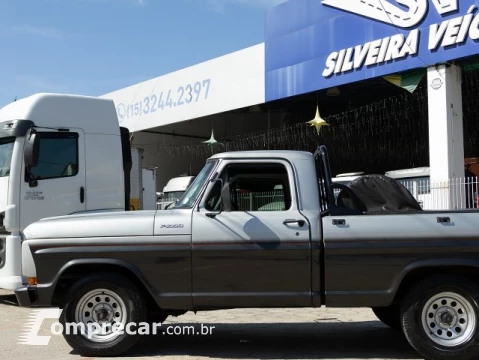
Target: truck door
[
  {"x": 258, "y": 254},
  {"x": 57, "y": 184}
]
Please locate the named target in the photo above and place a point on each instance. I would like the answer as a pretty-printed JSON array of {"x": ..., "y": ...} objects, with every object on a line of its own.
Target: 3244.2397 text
[{"x": 167, "y": 99}]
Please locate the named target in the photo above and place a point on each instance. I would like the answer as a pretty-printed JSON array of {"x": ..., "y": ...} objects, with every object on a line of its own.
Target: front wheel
[
  {"x": 440, "y": 318},
  {"x": 107, "y": 310}
]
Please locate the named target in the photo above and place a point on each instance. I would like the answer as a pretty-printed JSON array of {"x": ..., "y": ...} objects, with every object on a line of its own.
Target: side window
[
  {"x": 253, "y": 187},
  {"x": 58, "y": 156}
]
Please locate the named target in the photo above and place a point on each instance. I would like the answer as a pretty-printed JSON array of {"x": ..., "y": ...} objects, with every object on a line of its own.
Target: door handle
[
  {"x": 339, "y": 222},
  {"x": 445, "y": 219},
  {"x": 293, "y": 221},
  {"x": 82, "y": 194}
]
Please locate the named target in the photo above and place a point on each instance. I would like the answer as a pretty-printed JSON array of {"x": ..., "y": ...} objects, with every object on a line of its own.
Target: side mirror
[
  {"x": 32, "y": 147},
  {"x": 224, "y": 196}
]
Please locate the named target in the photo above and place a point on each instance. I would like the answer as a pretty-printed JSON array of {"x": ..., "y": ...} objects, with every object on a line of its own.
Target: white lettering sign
[
  {"x": 372, "y": 53},
  {"x": 448, "y": 33}
]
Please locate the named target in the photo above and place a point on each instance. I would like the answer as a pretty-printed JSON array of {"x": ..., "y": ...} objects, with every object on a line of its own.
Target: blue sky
[{"x": 92, "y": 47}]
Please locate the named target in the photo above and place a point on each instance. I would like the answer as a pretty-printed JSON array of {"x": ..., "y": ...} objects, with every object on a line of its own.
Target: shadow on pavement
[
  {"x": 280, "y": 341},
  {"x": 9, "y": 299}
]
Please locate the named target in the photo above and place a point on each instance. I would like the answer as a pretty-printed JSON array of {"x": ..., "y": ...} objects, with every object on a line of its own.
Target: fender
[
  {"x": 433, "y": 263},
  {"x": 99, "y": 261}
]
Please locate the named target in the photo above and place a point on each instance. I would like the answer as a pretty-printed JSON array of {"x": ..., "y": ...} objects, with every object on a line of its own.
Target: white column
[{"x": 446, "y": 139}]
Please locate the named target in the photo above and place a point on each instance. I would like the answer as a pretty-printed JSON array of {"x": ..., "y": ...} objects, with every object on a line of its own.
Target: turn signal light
[{"x": 32, "y": 281}]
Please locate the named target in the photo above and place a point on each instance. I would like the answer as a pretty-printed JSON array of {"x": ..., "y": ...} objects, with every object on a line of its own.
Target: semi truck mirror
[{"x": 32, "y": 146}]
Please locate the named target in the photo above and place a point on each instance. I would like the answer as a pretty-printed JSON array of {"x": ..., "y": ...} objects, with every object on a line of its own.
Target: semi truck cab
[
  {"x": 47, "y": 143},
  {"x": 174, "y": 190}
]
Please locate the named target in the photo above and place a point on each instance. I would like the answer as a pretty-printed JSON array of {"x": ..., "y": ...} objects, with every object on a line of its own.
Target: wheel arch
[
  {"x": 76, "y": 269},
  {"x": 419, "y": 270}
]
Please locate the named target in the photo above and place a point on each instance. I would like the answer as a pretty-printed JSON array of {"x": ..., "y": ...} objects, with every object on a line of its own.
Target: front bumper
[
  {"x": 26, "y": 296},
  {"x": 33, "y": 296}
]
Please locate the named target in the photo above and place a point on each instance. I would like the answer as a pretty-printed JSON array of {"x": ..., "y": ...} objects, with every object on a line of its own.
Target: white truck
[
  {"x": 174, "y": 190},
  {"x": 142, "y": 183},
  {"x": 130, "y": 271},
  {"x": 59, "y": 155}
]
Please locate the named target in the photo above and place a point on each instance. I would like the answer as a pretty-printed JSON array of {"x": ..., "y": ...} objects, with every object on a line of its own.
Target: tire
[
  {"x": 434, "y": 333},
  {"x": 113, "y": 293},
  {"x": 389, "y": 315}
]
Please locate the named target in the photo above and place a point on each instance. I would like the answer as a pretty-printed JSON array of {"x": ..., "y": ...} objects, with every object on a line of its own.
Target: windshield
[
  {"x": 194, "y": 189},
  {"x": 6, "y": 150},
  {"x": 172, "y": 196}
]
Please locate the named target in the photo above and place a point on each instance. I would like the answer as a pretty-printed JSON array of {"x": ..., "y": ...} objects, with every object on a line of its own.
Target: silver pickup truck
[{"x": 263, "y": 229}]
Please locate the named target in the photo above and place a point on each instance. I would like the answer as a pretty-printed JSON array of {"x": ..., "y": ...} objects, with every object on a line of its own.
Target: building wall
[{"x": 226, "y": 83}]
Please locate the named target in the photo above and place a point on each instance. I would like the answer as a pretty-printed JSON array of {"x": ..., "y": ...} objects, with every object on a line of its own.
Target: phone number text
[{"x": 172, "y": 98}]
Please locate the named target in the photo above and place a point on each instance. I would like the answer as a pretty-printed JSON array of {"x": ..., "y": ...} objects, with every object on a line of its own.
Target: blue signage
[{"x": 316, "y": 44}]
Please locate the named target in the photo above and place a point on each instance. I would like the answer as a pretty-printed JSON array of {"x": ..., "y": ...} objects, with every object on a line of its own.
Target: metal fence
[
  {"x": 452, "y": 194},
  {"x": 261, "y": 201}
]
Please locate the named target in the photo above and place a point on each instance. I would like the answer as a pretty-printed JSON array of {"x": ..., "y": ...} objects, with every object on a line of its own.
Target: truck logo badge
[
  {"x": 172, "y": 226},
  {"x": 384, "y": 11}
]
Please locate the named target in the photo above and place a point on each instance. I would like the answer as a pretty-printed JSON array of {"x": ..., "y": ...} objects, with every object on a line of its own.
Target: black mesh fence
[{"x": 386, "y": 135}]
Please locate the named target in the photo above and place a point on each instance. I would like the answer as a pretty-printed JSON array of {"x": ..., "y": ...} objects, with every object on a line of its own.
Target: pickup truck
[{"x": 223, "y": 246}]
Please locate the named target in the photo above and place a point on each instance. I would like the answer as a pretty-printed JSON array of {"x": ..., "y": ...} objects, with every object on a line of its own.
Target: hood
[{"x": 107, "y": 224}]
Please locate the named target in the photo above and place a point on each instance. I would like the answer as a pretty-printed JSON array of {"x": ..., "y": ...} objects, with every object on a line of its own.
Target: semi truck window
[
  {"x": 6, "y": 150},
  {"x": 58, "y": 156}
]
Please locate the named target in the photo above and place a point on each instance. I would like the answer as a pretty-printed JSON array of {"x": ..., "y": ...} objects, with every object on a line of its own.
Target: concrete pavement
[{"x": 237, "y": 334}]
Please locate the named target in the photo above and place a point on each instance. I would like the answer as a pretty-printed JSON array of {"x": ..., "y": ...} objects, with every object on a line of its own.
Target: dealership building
[{"x": 397, "y": 86}]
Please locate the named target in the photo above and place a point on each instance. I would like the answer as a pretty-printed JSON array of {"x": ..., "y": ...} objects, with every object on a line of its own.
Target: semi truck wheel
[
  {"x": 102, "y": 307},
  {"x": 389, "y": 315},
  {"x": 440, "y": 318}
]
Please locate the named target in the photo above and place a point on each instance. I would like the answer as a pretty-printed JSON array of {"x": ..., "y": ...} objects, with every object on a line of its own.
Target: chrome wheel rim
[
  {"x": 449, "y": 319},
  {"x": 103, "y": 315}
]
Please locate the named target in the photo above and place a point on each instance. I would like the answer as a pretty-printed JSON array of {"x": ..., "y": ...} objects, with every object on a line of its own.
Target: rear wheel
[
  {"x": 102, "y": 306},
  {"x": 440, "y": 318},
  {"x": 389, "y": 315}
]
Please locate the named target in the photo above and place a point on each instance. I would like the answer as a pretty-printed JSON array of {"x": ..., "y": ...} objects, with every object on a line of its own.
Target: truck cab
[
  {"x": 47, "y": 143},
  {"x": 174, "y": 190}
]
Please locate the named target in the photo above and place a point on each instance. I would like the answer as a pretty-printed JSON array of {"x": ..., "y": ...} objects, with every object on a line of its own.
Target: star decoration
[
  {"x": 212, "y": 141},
  {"x": 318, "y": 121}
]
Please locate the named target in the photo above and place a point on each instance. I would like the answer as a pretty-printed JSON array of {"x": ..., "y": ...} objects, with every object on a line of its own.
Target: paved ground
[{"x": 238, "y": 334}]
